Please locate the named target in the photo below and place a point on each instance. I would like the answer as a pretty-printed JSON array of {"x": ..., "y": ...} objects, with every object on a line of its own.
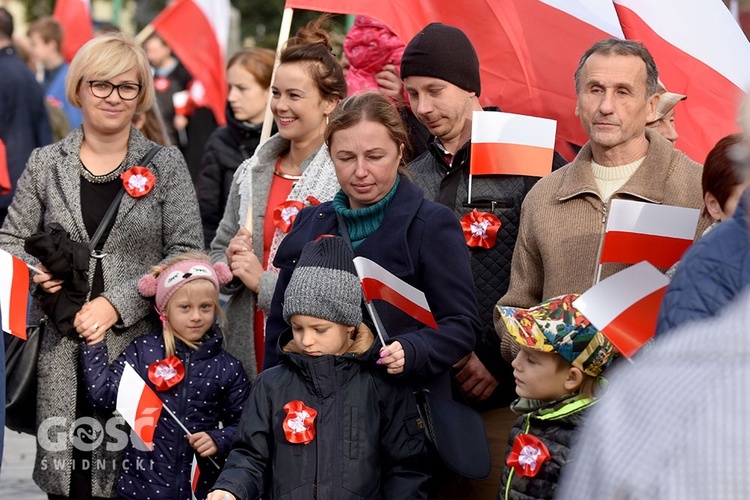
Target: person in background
[
  {"x": 72, "y": 183},
  {"x": 288, "y": 171},
  {"x": 557, "y": 370},
  {"x": 45, "y": 36},
  {"x": 326, "y": 388},
  {"x": 440, "y": 69},
  {"x": 151, "y": 125},
  {"x": 249, "y": 77},
  {"x": 24, "y": 124},
  {"x": 664, "y": 122}
]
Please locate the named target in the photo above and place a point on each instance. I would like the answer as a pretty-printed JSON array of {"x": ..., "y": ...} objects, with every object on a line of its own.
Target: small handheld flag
[
  {"x": 139, "y": 405},
  {"x": 14, "y": 294}
]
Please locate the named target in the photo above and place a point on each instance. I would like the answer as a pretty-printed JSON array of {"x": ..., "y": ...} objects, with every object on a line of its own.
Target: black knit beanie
[
  {"x": 325, "y": 284},
  {"x": 444, "y": 52}
]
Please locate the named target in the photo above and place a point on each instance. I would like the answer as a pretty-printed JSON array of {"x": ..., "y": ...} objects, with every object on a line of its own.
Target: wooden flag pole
[
  {"x": 146, "y": 32},
  {"x": 286, "y": 27}
]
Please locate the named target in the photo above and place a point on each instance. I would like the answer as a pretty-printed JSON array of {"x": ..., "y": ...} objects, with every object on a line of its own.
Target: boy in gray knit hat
[{"x": 327, "y": 388}]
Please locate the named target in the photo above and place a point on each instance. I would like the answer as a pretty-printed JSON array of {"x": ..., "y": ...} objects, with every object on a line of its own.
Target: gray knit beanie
[
  {"x": 325, "y": 283},
  {"x": 444, "y": 52}
]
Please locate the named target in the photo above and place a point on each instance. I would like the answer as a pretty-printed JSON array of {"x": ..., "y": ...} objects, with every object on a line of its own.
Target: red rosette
[
  {"x": 527, "y": 456},
  {"x": 299, "y": 422},
  {"x": 285, "y": 213},
  {"x": 138, "y": 181},
  {"x": 480, "y": 229},
  {"x": 166, "y": 373},
  {"x": 313, "y": 201},
  {"x": 161, "y": 84}
]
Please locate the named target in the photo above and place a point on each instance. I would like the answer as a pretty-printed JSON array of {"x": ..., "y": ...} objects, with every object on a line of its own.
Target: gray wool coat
[
  {"x": 255, "y": 176},
  {"x": 147, "y": 231}
]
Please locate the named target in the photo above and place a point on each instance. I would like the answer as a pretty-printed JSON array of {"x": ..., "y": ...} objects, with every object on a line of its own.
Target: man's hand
[{"x": 474, "y": 379}]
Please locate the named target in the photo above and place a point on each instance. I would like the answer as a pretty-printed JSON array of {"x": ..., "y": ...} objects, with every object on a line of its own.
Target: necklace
[
  {"x": 284, "y": 175},
  {"x": 101, "y": 179}
]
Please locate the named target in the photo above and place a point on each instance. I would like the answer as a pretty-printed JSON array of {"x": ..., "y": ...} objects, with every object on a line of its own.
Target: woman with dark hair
[
  {"x": 722, "y": 186},
  {"x": 249, "y": 74},
  {"x": 286, "y": 172},
  {"x": 386, "y": 219}
]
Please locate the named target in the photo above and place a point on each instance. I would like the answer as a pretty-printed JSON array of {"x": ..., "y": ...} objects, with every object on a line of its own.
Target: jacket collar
[
  {"x": 647, "y": 182},
  {"x": 209, "y": 347}
]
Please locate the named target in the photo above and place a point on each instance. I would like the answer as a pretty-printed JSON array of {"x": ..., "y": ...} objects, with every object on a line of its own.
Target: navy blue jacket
[
  {"x": 367, "y": 442},
  {"x": 213, "y": 390},
  {"x": 422, "y": 243},
  {"x": 713, "y": 271},
  {"x": 23, "y": 118}
]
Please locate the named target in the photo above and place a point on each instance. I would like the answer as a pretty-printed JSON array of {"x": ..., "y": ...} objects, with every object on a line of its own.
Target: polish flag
[
  {"x": 195, "y": 473},
  {"x": 700, "y": 51},
  {"x": 14, "y": 294},
  {"x": 378, "y": 283},
  {"x": 197, "y": 32},
  {"x": 75, "y": 18},
  {"x": 139, "y": 405},
  {"x": 624, "y": 307},
  {"x": 506, "y": 143},
  {"x": 638, "y": 231},
  {"x": 5, "y": 184}
]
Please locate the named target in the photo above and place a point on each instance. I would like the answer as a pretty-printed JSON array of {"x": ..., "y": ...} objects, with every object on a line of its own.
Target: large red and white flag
[
  {"x": 379, "y": 283},
  {"x": 529, "y": 50},
  {"x": 75, "y": 18},
  {"x": 638, "y": 231},
  {"x": 197, "y": 32},
  {"x": 506, "y": 143},
  {"x": 625, "y": 306},
  {"x": 139, "y": 405},
  {"x": 14, "y": 294},
  {"x": 195, "y": 474}
]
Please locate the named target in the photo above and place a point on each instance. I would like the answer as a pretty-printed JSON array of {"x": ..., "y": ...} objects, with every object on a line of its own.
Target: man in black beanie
[{"x": 440, "y": 69}]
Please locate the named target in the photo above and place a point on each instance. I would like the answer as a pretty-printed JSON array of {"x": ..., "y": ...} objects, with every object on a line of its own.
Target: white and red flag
[
  {"x": 511, "y": 144},
  {"x": 197, "y": 32},
  {"x": 638, "y": 231},
  {"x": 529, "y": 49},
  {"x": 625, "y": 306},
  {"x": 14, "y": 294},
  {"x": 379, "y": 283},
  {"x": 75, "y": 18},
  {"x": 139, "y": 405},
  {"x": 195, "y": 474}
]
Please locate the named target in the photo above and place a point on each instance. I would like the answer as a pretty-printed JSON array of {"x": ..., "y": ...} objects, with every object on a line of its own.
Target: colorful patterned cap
[{"x": 556, "y": 326}]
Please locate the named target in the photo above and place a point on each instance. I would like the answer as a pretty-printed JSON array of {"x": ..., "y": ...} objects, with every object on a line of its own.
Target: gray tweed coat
[
  {"x": 146, "y": 231},
  {"x": 252, "y": 184}
]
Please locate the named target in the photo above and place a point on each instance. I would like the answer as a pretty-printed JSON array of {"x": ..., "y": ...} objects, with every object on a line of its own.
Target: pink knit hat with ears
[{"x": 177, "y": 275}]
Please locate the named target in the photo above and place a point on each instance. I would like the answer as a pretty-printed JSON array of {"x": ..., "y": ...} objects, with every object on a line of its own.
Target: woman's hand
[
  {"x": 46, "y": 281},
  {"x": 220, "y": 495},
  {"x": 203, "y": 444},
  {"x": 242, "y": 260},
  {"x": 389, "y": 83},
  {"x": 393, "y": 358},
  {"x": 94, "y": 319}
]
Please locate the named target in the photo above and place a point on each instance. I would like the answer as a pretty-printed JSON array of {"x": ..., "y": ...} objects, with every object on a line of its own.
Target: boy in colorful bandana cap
[
  {"x": 557, "y": 371},
  {"x": 326, "y": 422}
]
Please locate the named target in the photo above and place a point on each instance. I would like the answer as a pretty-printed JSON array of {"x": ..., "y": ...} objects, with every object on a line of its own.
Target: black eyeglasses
[{"x": 103, "y": 89}]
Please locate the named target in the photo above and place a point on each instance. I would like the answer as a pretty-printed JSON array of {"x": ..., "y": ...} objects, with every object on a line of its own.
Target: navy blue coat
[
  {"x": 213, "y": 390},
  {"x": 23, "y": 118},
  {"x": 711, "y": 274},
  {"x": 422, "y": 243}
]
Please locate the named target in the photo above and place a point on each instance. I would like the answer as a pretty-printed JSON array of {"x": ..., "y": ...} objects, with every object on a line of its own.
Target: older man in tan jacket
[{"x": 564, "y": 214}]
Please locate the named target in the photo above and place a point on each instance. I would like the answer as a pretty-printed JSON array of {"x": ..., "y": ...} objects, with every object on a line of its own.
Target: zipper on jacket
[
  {"x": 181, "y": 410},
  {"x": 512, "y": 470},
  {"x": 604, "y": 212}
]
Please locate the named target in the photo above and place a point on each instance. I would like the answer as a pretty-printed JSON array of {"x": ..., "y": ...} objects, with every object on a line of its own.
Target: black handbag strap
[{"x": 116, "y": 202}]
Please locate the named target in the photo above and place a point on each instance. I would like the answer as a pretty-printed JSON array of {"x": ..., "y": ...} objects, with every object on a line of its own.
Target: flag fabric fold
[
  {"x": 379, "y": 283},
  {"x": 511, "y": 144},
  {"x": 196, "y": 31},
  {"x": 14, "y": 294},
  {"x": 638, "y": 231},
  {"x": 195, "y": 473},
  {"x": 139, "y": 405},
  {"x": 75, "y": 18},
  {"x": 625, "y": 306}
]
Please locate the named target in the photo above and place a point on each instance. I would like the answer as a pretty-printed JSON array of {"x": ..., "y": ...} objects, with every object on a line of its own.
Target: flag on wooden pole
[{"x": 625, "y": 306}]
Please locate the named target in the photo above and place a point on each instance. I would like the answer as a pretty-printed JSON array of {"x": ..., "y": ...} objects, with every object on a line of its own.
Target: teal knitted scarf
[{"x": 362, "y": 222}]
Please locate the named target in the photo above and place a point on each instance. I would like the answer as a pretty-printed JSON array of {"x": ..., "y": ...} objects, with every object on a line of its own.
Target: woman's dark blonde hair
[
  {"x": 256, "y": 61},
  {"x": 373, "y": 107},
  {"x": 312, "y": 48},
  {"x": 199, "y": 286}
]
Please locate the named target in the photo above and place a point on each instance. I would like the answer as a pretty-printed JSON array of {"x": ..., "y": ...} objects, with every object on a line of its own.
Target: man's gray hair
[{"x": 616, "y": 46}]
